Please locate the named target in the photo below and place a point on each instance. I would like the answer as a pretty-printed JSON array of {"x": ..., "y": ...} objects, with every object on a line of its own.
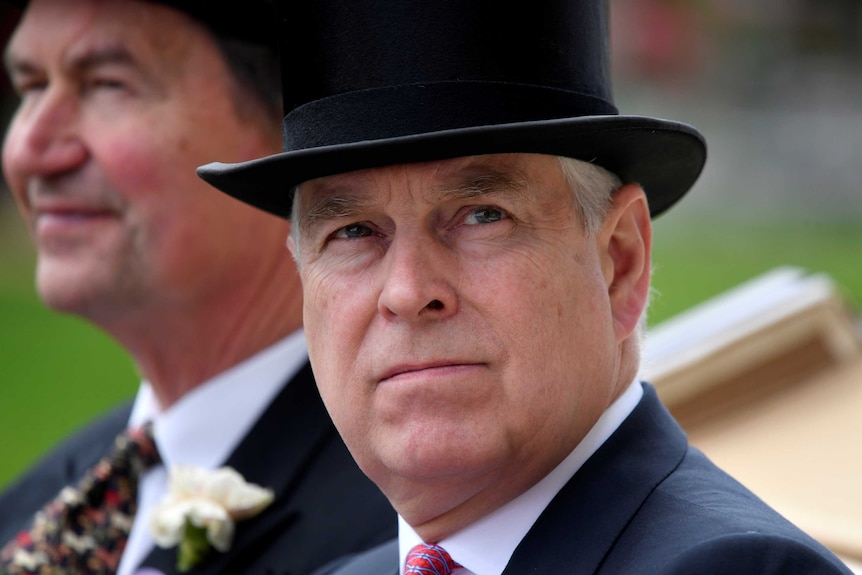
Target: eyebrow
[
  {"x": 332, "y": 206},
  {"x": 90, "y": 58},
  {"x": 339, "y": 203},
  {"x": 95, "y": 57},
  {"x": 511, "y": 183}
]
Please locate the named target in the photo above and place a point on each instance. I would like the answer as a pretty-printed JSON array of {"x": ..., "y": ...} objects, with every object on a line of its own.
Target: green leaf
[{"x": 193, "y": 548}]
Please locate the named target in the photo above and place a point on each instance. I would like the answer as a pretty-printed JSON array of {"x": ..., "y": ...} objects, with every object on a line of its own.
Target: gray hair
[{"x": 592, "y": 187}]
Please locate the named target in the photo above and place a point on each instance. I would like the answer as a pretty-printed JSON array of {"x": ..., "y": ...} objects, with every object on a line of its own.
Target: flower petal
[
  {"x": 167, "y": 523},
  {"x": 220, "y": 534},
  {"x": 241, "y": 499},
  {"x": 208, "y": 499},
  {"x": 202, "y": 511}
]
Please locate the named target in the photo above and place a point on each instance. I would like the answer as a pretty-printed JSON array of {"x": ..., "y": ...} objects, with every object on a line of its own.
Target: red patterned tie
[
  {"x": 84, "y": 529},
  {"x": 429, "y": 560}
]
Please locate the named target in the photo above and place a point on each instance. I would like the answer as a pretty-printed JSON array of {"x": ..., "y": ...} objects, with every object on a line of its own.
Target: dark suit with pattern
[
  {"x": 648, "y": 503},
  {"x": 324, "y": 506}
]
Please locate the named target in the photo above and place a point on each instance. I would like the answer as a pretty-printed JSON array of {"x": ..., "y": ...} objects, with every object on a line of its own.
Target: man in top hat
[
  {"x": 472, "y": 223},
  {"x": 120, "y": 101}
]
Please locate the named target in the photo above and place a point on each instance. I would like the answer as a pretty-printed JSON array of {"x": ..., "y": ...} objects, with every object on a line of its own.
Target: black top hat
[
  {"x": 253, "y": 22},
  {"x": 369, "y": 83},
  {"x": 250, "y": 21}
]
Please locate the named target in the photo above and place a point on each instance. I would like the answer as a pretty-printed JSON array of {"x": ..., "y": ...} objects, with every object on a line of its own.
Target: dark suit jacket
[
  {"x": 324, "y": 506},
  {"x": 648, "y": 503}
]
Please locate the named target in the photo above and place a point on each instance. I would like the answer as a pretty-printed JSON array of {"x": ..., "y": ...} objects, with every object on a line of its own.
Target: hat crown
[
  {"x": 552, "y": 56},
  {"x": 370, "y": 83}
]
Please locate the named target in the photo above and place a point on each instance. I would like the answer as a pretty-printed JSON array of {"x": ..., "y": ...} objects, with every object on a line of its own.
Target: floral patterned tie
[
  {"x": 84, "y": 529},
  {"x": 426, "y": 559}
]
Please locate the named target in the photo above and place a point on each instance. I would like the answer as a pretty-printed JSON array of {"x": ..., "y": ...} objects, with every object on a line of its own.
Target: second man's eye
[{"x": 485, "y": 215}]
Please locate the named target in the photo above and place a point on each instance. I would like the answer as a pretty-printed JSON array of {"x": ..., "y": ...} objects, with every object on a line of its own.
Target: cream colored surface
[
  {"x": 800, "y": 449},
  {"x": 767, "y": 380}
]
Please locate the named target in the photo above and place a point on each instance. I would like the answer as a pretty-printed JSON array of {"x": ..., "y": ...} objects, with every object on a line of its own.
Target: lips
[
  {"x": 55, "y": 219},
  {"x": 73, "y": 213},
  {"x": 70, "y": 198},
  {"x": 441, "y": 368}
]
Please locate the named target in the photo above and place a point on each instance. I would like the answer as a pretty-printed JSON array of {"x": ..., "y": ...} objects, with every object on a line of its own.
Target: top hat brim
[{"x": 663, "y": 156}]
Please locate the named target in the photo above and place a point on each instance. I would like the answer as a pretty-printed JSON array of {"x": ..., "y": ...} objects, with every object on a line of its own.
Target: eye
[
  {"x": 485, "y": 215},
  {"x": 107, "y": 84},
  {"x": 30, "y": 86},
  {"x": 353, "y": 231}
]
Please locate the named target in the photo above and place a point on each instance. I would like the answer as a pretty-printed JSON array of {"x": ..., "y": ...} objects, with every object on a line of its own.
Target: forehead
[
  {"x": 70, "y": 31},
  {"x": 483, "y": 173}
]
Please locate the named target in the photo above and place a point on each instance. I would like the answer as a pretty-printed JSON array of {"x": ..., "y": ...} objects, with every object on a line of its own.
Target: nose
[
  {"x": 420, "y": 281},
  {"x": 44, "y": 137}
]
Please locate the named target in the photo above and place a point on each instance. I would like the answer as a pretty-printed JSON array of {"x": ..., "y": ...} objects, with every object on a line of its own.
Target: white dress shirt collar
[
  {"x": 485, "y": 547},
  {"x": 206, "y": 424}
]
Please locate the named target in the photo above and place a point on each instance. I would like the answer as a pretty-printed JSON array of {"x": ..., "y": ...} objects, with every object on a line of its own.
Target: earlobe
[{"x": 627, "y": 239}]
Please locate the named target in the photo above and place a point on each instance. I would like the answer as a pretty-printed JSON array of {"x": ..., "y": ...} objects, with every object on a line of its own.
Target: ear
[{"x": 625, "y": 243}]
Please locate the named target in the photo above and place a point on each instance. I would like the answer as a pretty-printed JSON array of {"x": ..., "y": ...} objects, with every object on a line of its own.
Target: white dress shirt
[
  {"x": 205, "y": 426},
  {"x": 485, "y": 547}
]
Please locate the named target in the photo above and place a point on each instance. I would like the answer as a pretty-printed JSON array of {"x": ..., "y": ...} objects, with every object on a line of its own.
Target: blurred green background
[{"x": 775, "y": 88}]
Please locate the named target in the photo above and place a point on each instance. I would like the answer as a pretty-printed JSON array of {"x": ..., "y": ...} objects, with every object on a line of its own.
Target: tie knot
[
  {"x": 136, "y": 449},
  {"x": 429, "y": 560}
]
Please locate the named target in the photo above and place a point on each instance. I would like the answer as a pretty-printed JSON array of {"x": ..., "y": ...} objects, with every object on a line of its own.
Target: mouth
[
  {"x": 56, "y": 220},
  {"x": 425, "y": 371}
]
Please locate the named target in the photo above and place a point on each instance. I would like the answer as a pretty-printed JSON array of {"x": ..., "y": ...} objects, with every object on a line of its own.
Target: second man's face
[
  {"x": 120, "y": 102},
  {"x": 459, "y": 323}
]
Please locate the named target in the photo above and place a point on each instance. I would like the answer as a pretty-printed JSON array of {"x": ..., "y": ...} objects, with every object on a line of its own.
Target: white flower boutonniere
[{"x": 200, "y": 510}]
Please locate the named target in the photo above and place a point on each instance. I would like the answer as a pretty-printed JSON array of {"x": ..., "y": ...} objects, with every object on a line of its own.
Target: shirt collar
[
  {"x": 206, "y": 424},
  {"x": 485, "y": 547}
]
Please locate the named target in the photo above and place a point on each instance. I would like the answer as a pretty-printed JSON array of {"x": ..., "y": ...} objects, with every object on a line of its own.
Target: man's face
[
  {"x": 120, "y": 102},
  {"x": 459, "y": 322}
]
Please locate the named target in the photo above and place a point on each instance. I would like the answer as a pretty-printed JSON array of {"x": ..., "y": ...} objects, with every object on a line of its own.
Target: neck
[{"x": 178, "y": 346}]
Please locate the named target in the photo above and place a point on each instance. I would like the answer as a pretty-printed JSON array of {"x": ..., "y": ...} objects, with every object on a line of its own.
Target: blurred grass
[
  {"x": 58, "y": 372},
  {"x": 695, "y": 260}
]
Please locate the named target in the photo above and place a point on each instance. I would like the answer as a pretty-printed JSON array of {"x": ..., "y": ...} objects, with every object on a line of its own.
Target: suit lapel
[
  {"x": 95, "y": 445},
  {"x": 382, "y": 560},
  {"x": 581, "y": 524},
  {"x": 274, "y": 454}
]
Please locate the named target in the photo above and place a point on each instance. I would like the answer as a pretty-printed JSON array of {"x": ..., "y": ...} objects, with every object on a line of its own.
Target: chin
[
  {"x": 434, "y": 460},
  {"x": 66, "y": 292}
]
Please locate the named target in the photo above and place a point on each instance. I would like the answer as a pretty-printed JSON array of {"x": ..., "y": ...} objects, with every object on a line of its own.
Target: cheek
[
  {"x": 553, "y": 315},
  {"x": 319, "y": 298},
  {"x": 138, "y": 157},
  {"x": 335, "y": 329},
  {"x": 158, "y": 184},
  {"x": 131, "y": 167},
  {"x": 333, "y": 320}
]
